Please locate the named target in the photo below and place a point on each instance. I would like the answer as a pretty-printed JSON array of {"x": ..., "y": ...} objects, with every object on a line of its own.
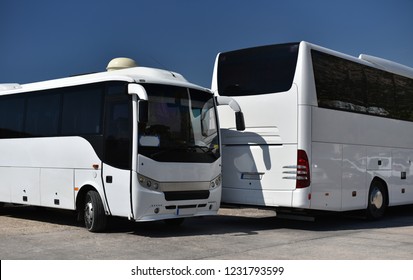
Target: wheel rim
[
  {"x": 376, "y": 198},
  {"x": 89, "y": 214}
]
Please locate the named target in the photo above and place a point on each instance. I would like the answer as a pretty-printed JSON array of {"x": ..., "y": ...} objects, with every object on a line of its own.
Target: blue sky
[{"x": 46, "y": 39}]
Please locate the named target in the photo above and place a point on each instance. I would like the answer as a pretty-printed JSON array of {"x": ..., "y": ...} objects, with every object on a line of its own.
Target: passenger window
[
  {"x": 82, "y": 111},
  {"x": 42, "y": 117},
  {"x": 11, "y": 117}
]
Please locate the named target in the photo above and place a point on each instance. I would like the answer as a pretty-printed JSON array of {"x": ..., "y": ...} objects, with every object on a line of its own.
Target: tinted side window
[
  {"x": 380, "y": 92},
  {"x": 71, "y": 111},
  {"x": 404, "y": 97},
  {"x": 340, "y": 84},
  {"x": 42, "y": 115},
  {"x": 82, "y": 111},
  {"x": 345, "y": 85},
  {"x": 11, "y": 116}
]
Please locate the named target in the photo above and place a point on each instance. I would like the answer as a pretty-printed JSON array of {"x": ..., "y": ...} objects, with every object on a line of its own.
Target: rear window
[{"x": 259, "y": 70}]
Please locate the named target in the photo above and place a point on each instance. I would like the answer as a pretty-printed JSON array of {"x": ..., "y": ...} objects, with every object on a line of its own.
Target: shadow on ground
[{"x": 230, "y": 221}]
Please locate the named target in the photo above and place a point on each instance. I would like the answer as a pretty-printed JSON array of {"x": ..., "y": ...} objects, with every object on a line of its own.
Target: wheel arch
[
  {"x": 81, "y": 197},
  {"x": 379, "y": 180}
]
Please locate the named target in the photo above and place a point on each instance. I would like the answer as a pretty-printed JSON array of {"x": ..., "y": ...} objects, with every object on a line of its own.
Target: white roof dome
[{"x": 120, "y": 63}]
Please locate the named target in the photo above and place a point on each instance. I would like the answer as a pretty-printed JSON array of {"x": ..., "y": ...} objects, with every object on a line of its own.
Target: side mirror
[
  {"x": 239, "y": 121},
  {"x": 239, "y": 116},
  {"x": 143, "y": 111}
]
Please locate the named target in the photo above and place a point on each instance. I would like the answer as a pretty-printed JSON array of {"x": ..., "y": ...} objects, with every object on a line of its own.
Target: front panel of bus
[
  {"x": 178, "y": 168},
  {"x": 260, "y": 164}
]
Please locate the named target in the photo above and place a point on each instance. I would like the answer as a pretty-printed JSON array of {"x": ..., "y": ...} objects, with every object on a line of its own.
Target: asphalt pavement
[{"x": 235, "y": 234}]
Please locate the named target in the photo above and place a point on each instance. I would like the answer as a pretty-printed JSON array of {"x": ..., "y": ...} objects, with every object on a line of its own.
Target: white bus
[
  {"x": 140, "y": 143},
  {"x": 324, "y": 130}
]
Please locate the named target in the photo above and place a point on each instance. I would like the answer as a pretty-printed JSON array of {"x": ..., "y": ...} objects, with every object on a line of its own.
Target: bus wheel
[
  {"x": 377, "y": 201},
  {"x": 94, "y": 213}
]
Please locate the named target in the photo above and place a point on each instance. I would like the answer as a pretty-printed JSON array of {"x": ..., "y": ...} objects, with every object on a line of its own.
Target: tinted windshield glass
[
  {"x": 182, "y": 125},
  {"x": 258, "y": 70}
]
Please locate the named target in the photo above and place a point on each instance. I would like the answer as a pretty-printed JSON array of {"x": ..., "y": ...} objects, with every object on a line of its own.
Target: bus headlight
[
  {"x": 215, "y": 183},
  {"x": 148, "y": 183}
]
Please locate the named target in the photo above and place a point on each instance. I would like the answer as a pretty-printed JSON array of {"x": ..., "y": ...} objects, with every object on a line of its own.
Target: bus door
[{"x": 116, "y": 169}]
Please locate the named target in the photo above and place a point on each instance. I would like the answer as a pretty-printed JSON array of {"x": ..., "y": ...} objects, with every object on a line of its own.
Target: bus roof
[
  {"x": 135, "y": 74},
  {"x": 388, "y": 65},
  {"x": 369, "y": 60}
]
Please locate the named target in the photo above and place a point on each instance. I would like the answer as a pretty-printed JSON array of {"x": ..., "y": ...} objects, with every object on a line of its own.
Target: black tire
[
  {"x": 377, "y": 201},
  {"x": 94, "y": 213}
]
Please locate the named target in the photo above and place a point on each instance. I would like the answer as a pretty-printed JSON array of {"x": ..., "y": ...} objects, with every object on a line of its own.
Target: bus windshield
[
  {"x": 259, "y": 70},
  {"x": 182, "y": 125}
]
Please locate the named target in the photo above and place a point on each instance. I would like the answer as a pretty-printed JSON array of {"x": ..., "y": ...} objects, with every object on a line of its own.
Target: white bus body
[
  {"x": 324, "y": 130},
  {"x": 140, "y": 143}
]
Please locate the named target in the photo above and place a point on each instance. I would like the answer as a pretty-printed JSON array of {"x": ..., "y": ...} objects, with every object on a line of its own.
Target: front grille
[
  {"x": 173, "y": 207},
  {"x": 186, "y": 195}
]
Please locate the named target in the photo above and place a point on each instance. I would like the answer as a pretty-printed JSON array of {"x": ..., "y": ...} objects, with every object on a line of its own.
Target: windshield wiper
[
  {"x": 191, "y": 149},
  {"x": 205, "y": 149}
]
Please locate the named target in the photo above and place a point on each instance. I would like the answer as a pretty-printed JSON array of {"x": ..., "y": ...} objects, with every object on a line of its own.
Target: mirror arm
[
  {"x": 138, "y": 90},
  {"x": 225, "y": 100},
  {"x": 143, "y": 111}
]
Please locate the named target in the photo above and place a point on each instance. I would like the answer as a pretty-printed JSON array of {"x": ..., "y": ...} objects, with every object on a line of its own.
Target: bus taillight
[{"x": 303, "y": 170}]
